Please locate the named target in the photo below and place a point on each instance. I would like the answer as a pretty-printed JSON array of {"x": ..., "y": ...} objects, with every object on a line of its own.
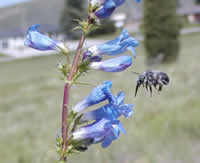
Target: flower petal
[
  {"x": 117, "y": 46},
  {"x": 36, "y": 40},
  {"x": 120, "y": 98},
  {"x": 123, "y": 35},
  {"x": 132, "y": 49},
  {"x": 96, "y": 130},
  {"x": 98, "y": 94},
  {"x": 112, "y": 134},
  {"x": 104, "y": 131},
  {"x": 106, "y": 7},
  {"x": 106, "y": 142},
  {"x": 110, "y": 111},
  {"x": 88, "y": 57},
  {"x": 113, "y": 65},
  {"x": 125, "y": 110}
]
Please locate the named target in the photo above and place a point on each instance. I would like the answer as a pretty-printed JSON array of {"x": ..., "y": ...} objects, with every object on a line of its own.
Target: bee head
[{"x": 164, "y": 78}]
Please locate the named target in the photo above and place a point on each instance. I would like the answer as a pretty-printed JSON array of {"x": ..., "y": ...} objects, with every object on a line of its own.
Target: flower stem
[{"x": 66, "y": 92}]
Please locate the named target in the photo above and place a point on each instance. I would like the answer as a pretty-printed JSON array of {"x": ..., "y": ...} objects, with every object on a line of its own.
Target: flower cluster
[
  {"x": 119, "y": 45},
  {"x": 106, "y": 126}
]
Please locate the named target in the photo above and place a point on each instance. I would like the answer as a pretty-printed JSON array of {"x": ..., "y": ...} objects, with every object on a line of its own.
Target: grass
[
  {"x": 188, "y": 25},
  {"x": 2, "y": 56},
  {"x": 164, "y": 128}
]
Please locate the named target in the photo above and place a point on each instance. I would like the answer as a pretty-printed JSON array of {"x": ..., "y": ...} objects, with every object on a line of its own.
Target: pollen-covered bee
[{"x": 152, "y": 78}]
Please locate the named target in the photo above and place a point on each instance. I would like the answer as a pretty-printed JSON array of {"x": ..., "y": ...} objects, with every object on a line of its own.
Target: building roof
[
  {"x": 15, "y": 20},
  {"x": 19, "y": 32},
  {"x": 189, "y": 11}
]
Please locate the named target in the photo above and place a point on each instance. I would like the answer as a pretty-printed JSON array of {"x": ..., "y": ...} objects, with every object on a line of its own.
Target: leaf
[
  {"x": 77, "y": 28},
  {"x": 59, "y": 140},
  {"x": 60, "y": 161},
  {"x": 71, "y": 117},
  {"x": 80, "y": 83},
  {"x": 59, "y": 151},
  {"x": 77, "y": 121}
]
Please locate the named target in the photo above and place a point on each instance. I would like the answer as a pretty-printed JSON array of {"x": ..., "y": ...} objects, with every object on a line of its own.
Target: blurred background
[{"x": 165, "y": 128}]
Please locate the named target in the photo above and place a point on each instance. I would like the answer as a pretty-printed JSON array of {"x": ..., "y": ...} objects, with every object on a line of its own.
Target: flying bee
[{"x": 152, "y": 78}]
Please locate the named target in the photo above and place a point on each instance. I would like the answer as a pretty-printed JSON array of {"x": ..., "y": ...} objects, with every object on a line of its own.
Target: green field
[
  {"x": 164, "y": 128},
  {"x": 2, "y": 56}
]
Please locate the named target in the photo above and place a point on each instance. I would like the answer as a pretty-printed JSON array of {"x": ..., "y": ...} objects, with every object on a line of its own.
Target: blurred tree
[
  {"x": 73, "y": 9},
  {"x": 197, "y": 2},
  {"x": 161, "y": 30},
  {"x": 76, "y": 9},
  {"x": 107, "y": 27}
]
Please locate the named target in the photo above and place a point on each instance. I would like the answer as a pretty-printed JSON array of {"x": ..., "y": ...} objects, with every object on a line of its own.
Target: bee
[{"x": 152, "y": 78}]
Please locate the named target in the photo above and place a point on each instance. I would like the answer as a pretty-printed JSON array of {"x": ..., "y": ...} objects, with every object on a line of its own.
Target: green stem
[{"x": 66, "y": 93}]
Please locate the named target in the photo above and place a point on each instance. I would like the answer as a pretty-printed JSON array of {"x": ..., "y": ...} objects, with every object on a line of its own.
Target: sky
[{"x": 4, "y": 3}]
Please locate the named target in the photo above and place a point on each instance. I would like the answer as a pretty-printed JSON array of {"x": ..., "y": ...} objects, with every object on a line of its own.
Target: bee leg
[
  {"x": 136, "y": 89},
  {"x": 159, "y": 89},
  {"x": 150, "y": 89},
  {"x": 146, "y": 85},
  {"x": 155, "y": 85}
]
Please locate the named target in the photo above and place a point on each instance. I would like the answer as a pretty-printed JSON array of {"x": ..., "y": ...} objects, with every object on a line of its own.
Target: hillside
[{"x": 17, "y": 18}]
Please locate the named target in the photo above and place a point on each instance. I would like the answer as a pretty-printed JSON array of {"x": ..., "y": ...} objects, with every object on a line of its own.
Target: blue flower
[
  {"x": 105, "y": 7},
  {"x": 117, "y": 64},
  {"x": 119, "y": 45},
  {"x": 36, "y": 40},
  {"x": 110, "y": 111},
  {"x": 106, "y": 127},
  {"x": 98, "y": 94},
  {"x": 88, "y": 57},
  {"x": 103, "y": 131}
]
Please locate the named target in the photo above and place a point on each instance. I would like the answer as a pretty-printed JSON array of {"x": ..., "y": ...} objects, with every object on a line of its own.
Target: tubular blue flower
[
  {"x": 98, "y": 94},
  {"x": 88, "y": 57},
  {"x": 106, "y": 127},
  {"x": 102, "y": 131},
  {"x": 105, "y": 7},
  {"x": 119, "y": 45},
  {"x": 110, "y": 111},
  {"x": 36, "y": 40},
  {"x": 117, "y": 64}
]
